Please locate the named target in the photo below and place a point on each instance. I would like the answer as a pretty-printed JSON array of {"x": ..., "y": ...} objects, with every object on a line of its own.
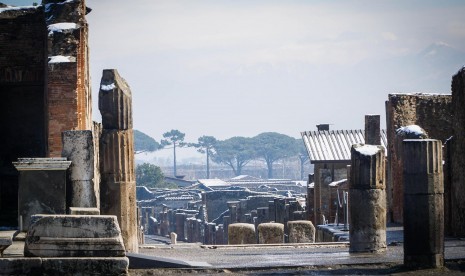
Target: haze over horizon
[{"x": 240, "y": 68}]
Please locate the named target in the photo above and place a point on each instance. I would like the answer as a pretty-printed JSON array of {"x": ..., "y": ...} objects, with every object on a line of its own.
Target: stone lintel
[{"x": 44, "y": 164}]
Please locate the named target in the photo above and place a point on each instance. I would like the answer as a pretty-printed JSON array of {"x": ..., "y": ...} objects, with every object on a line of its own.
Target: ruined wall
[
  {"x": 457, "y": 156},
  {"x": 44, "y": 85},
  {"x": 67, "y": 83},
  {"x": 433, "y": 113},
  {"x": 22, "y": 51},
  {"x": 216, "y": 201}
]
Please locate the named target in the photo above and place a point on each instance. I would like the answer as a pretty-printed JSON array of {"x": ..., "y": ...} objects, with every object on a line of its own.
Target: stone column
[
  {"x": 118, "y": 186},
  {"x": 367, "y": 199},
  {"x": 233, "y": 211},
  {"x": 42, "y": 188},
  {"x": 180, "y": 219},
  {"x": 271, "y": 211},
  {"x": 372, "y": 130},
  {"x": 423, "y": 203},
  {"x": 83, "y": 190},
  {"x": 226, "y": 222}
]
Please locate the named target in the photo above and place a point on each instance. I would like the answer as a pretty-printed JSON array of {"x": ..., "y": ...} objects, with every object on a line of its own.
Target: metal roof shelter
[{"x": 334, "y": 146}]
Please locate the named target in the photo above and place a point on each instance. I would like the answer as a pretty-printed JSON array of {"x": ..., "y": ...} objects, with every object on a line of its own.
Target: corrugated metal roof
[{"x": 334, "y": 145}]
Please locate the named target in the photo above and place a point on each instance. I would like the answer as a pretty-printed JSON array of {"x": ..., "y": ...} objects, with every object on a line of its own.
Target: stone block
[
  {"x": 83, "y": 211},
  {"x": 301, "y": 231},
  {"x": 74, "y": 236},
  {"x": 83, "y": 193},
  {"x": 115, "y": 101},
  {"x": 85, "y": 266},
  {"x": 20, "y": 266},
  {"x": 78, "y": 147},
  {"x": 368, "y": 167},
  {"x": 271, "y": 233},
  {"x": 42, "y": 187},
  {"x": 423, "y": 162},
  {"x": 241, "y": 233}
]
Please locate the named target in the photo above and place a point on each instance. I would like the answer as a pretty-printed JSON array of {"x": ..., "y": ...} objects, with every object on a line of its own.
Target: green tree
[
  {"x": 175, "y": 138},
  {"x": 303, "y": 156},
  {"x": 143, "y": 142},
  {"x": 205, "y": 144},
  {"x": 149, "y": 175},
  {"x": 235, "y": 152},
  {"x": 272, "y": 146}
]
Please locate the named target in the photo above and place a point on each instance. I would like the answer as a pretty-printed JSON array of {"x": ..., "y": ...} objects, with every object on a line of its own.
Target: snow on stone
[
  {"x": 11, "y": 8},
  {"x": 107, "y": 87},
  {"x": 47, "y": 6},
  {"x": 368, "y": 150},
  {"x": 411, "y": 129},
  {"x": 60, "y": 27},
  {"x": 60, "y": 59}
]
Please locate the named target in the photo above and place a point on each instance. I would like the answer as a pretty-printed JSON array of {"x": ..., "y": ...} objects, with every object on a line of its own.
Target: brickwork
[{"x": 433, "y": 113}]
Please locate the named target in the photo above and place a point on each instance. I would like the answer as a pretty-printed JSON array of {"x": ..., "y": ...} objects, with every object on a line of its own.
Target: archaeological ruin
[{"x": 68, "y": 193}]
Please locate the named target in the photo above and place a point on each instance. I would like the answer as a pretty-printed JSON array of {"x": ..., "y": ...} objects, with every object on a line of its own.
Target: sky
[{"x": 239, "y": 68}]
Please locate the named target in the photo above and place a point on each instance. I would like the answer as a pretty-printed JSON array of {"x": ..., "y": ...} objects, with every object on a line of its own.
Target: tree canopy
[
  {"x": 235, "y": 152},
  {"x": 272, "y": 146},
  {"x": 143, "y": 142},
  {"x": 149, "y": 175}
]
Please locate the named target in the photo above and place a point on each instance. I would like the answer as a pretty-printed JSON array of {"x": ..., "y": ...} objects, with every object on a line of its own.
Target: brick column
[
  {"x": 118, "y": 186},
  {"x": 423, "y": 203},
  {"x": 367, "y": 199}
]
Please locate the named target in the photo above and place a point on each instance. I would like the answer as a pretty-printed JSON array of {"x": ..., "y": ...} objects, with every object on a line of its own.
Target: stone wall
[
  {"x": 432, "y": 112},
  {"x": 457, "y": 156}
]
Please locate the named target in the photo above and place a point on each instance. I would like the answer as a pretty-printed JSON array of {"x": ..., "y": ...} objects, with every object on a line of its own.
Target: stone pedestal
[
  {"x": 74, "y": 236},
  {"x": 423, "y": 203},
  {"x": 301, "y": 231},
  {"x": 42, "y": 187},
  {"x": 241, "y": 233},
  {"x": 180, "y": 220},
  {"x": 271, "y": 233},
  {"x": 367, "y": 199}
]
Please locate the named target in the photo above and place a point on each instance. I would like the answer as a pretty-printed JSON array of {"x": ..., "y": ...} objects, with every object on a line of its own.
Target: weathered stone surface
[
  {"x": 372, "y": 130},
  {"x": 457, "y": 199},
  {"x": 367, "y": 224},
  {"x": 20, "y": 266},
  {"x": 74, "y": 236},
  {"x": 423, "y": 203},
  {"x": 115, "y": 101},
  {"x": 368, "y": 167},
  {"x": 83, "y": 211},
  {"x": 85, "y": 266},
  {"x": 78, "y": 147},
  {"x": 42, "y": 187},
  {"x": 367, "y": 199},
  {"x": 433, "y": 112},
  {"x": 301, "y": 231},
  {"x": 270, "y": 233},
  {"x": 241, "y": 233}
]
